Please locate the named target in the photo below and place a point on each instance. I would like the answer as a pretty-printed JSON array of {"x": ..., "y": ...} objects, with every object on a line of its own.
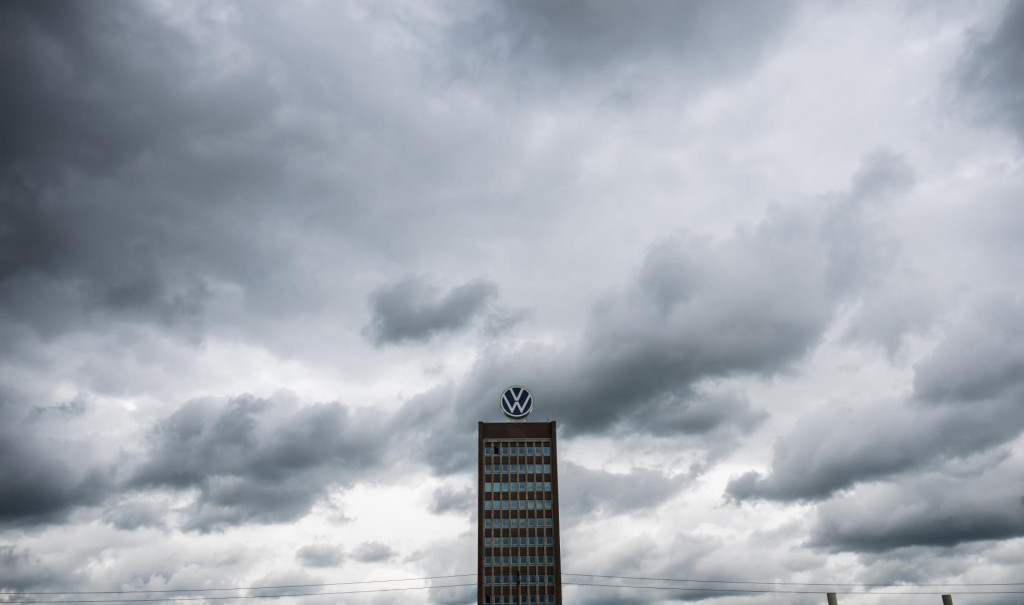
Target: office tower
[{"x": 518, "y": 558}]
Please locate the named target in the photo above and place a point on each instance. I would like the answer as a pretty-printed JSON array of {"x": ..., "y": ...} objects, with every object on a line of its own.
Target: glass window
[
  {"x": 522, "y": 451},
  {"x": 504, "y": 505},
  {"x": 487, "y": 451},
  {"x": 487, "y": 523},
  {"x": 513, "y": 487},
  {"x": 529, "y": 468},
  {"x": 547, "y": 468},
  {"x": 487, "y": 541},
  {"x": 533, "y": 541},
  {"x": 533, "y": 522},
  {"x": 504, "y": 541},
  {"x": 529, "y": 486},
  {"x": 547, "y": 450},
  {"x": 487, "y": 486},
  {"x": 487, "y": 505},
  {"x": 547, "y": 504},
  {"x": 504, "y": 468},
  {"x": 504, "y": 522},
  {"x": 529, "y": 505},
  {"x": 504, "y": 560},
  {"x": 504, "y": 451},
  {"x": 529, "y": 451},
  {"x": 522, "y": 468},
  {"x": 547, "y": 522},
  {"x": 522, "y": 486}
]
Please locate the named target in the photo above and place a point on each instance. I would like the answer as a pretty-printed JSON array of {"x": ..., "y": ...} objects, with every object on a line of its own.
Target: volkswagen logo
[{"x": 516, "y": 402}]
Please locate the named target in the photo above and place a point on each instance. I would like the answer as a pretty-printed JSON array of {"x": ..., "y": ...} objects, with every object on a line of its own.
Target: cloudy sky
[{"x": 264, "y": 266}]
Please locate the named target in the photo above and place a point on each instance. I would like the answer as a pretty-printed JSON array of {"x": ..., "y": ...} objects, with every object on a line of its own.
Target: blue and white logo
[{"x": 516, "y": 402}]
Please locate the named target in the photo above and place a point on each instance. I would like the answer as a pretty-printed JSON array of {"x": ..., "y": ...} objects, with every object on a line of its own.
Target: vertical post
[
  {"x": 831, "y": 596},
  {"x": 947, "y": 599}
]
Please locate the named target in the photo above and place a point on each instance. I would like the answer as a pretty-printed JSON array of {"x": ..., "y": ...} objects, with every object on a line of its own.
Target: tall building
[{"x": 518, "y": 557}]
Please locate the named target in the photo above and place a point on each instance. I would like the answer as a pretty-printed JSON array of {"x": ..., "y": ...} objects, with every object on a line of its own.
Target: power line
[
  {"x": 352, "y": 583},
  {"x": 786, "y": 591},
  {"x": 263, "y": 596},
  {"x": 585, "y": 575},
  {"x": 235, "y": 588}
]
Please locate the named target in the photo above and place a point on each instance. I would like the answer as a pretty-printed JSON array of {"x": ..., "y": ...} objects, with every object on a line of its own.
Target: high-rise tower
[{"x": 518, "y": 560}]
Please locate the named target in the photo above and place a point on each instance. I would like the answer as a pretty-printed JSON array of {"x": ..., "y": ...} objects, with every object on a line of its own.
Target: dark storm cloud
[
  {"x": 412, "y": 309},
  {"x": 992, "y": 74},
  {"x": 106, "y": 118},
  {"x": 259, "y": 461},
  {"x": 966, "y": 399},
  {"x": 320, "y": 555},
  {"x": 929, "y": 510},
  {"x": 40, "y": 481},
  {"x": 373, "y": 552},
  {"x": 585, "y": 492}
]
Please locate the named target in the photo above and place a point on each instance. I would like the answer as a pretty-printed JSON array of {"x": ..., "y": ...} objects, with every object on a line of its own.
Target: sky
[{"x": 264, "y": 266}]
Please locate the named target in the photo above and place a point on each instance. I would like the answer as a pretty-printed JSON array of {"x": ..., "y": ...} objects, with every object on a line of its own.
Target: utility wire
[
  {"x": 260, "y": 596},
  {"x": 787, "y": 591},
  {"x": 462, "y": 575},
  {"x": 585, "y": 575},
  {"x": 351, "y": 583}
]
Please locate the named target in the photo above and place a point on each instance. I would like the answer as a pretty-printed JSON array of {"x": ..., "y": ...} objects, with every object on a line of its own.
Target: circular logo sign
[{"x": 516, "y": 402}]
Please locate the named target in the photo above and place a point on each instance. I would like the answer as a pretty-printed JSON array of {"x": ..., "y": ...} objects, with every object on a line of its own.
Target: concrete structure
[{"x": 518, "y": 554}]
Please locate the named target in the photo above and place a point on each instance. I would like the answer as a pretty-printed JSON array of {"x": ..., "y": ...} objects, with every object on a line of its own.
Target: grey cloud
[
  {"x": 991, "y": 74},
  {"x": 698, "y": 41},
  {"x": 447, "y": 499},
  {"x": 373, "y": 552},
  {"x": 928, "y": 510},
  {"x": 255, "y": 460},
  {"x": 320, "y": 555},
  {"x": 20, "y": 570},
  {"x": 412, "y": 309},
  {"x": 882, "y": 175},
  {"x": 133, "y": 514},
  {"x": 585, "y": 492},
  {"x": 38, "y": 482},
  {"x": 966, "y": 400},
  {"x": 697, "y": 310}
]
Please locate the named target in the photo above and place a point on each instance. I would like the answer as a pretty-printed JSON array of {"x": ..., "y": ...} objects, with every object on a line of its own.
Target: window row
[
  {"x": 512, "y": 523},
  {"x": 523, "y": 541},
  {"x": 548, "y": 560},
  {"x": 500, "y": 561},
  {"x": 515, "y": 541},
  {"x": 524, "y": 579},
  {"x": 514, "y": 468},
  {"x": 521, "y": 451},
  {"x": 517, "y": 486},
  {"x": 517, "y": 505},
  {"x": 533, "y": 598}
]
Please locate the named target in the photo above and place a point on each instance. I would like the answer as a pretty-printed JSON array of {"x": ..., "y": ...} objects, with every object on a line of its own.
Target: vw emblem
[{"x": 516, "y": 402}]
